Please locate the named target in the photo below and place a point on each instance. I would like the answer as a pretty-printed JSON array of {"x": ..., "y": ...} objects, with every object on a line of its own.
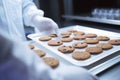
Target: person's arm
[
  {"x": 34, "y": 17},
  {"x": 30, "y": 10}
]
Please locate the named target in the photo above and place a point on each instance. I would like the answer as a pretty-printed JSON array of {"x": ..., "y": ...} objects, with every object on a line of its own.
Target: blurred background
[{"x": 103, "y": 14}]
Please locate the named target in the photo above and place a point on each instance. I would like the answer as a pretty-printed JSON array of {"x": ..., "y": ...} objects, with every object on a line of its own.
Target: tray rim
[{"x": 64, "y": 57}]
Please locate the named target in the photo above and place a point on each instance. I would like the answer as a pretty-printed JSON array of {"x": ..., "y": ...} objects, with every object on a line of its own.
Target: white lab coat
[{"x": 14, "y": 14}]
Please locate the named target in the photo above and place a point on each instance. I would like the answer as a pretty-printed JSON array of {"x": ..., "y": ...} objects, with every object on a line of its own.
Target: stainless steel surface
[
  {"x": 111, "y": 73},
  {"x": 105, "y": 65}
]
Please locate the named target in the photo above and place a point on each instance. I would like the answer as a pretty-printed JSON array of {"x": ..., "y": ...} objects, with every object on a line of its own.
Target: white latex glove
[
  {"x": 44, "y": 23},
  {"x": 75, "y": 73}
]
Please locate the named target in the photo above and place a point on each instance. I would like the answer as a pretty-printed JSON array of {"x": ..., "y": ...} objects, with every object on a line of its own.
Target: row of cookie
[
  {"x": 83, "y": 55},
  {"x": 84, "y": 43},
  {"x": 68, "y": 33},
  {"x": 104, "y": 46},
  {"x": 78, "y": 34},
  {"x": 88, "y": 40},
  {"x": 51, "y": 61},
  {"x": 78, "y": 55},
  {"x": 69, "y": 39},
  {"x": 90, "y": 35},
  {"x": 79, "y": 45}
]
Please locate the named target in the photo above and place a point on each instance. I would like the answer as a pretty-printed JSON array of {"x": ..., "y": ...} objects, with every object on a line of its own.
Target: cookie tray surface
[{"x": 68, "y": 57}]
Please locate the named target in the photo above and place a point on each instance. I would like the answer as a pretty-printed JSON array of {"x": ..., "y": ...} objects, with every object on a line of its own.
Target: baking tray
[{"x": 68, "y": 57}]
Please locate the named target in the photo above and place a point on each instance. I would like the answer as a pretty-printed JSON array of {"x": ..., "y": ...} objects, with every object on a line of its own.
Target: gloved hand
[
  {"x": 75, "y": 73},
  {"x": 44, "y": 23}
]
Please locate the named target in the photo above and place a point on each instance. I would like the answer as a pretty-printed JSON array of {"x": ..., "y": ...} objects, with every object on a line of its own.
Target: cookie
[
  {"x": 80, "y": 55},
  {"x": 52, "y": 62},
  {"x": 79, "y": 33},
  {"x": 78, "y": 37},
  {"x": 115, "y": 42},
  {"x": 40, "y": 53},
  {"x": 53, "y": 35},
  {"x": 90, "y": 35},
  {"x": 45, "y": 38},
  {"x": 104, "y": 46},
  {"x": 91, "y": 41},
  {"x": 72, "y": 30},
  {"x": 102, "y": 38},
  {"x": 31, "y": 46},
  {"x": 80, "y": 45},
  {"x": 65, "y": 36},
  {"x": 55, "y": 42},
  {"x": 94, "y": 50},
  {"x": 66, "y": 49},
  {"x": 66, "y": 39},
  {"x": 66, "y": 33}
]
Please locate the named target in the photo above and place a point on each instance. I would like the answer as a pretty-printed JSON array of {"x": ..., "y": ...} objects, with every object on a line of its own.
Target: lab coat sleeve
[
  {"x": 18, "y": 62},
  {"x": 30, "y": 10}
]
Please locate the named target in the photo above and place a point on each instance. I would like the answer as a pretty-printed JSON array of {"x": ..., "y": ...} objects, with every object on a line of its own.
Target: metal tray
[{"x": 68, "y": 57}]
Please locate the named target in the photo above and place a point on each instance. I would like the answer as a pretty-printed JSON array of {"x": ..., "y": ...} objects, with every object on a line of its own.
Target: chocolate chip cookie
[
  {"x": 102, "y": 38},
  {"x": 80, "y": 55},
  {"x": 53, "y": 35},
  {"x": 52, "y": 62},
  {"x": 80, "y": 45},
  {"x": 65, "y": 36},
  {"x": 66, "y": 39},
  {"x": 91, "y": 41},
  {"x": 90, "y": 35},
  {"x": 104, "y": 46},
  {"x": 115, "y": 42},
  {"x": 79, "y": 37},
  {"x": 66, "y": 49},
  {"x": 45, "y": 38},
  {"x": 94, "y": 50},
  {"x": 79, "y": 33},
  {"x": 55, "y": 42},
  {"x": 40, "y": 52}
]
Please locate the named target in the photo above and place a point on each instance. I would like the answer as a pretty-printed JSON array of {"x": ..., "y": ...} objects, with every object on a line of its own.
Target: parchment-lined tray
[{"x": 68, "y": 57}]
